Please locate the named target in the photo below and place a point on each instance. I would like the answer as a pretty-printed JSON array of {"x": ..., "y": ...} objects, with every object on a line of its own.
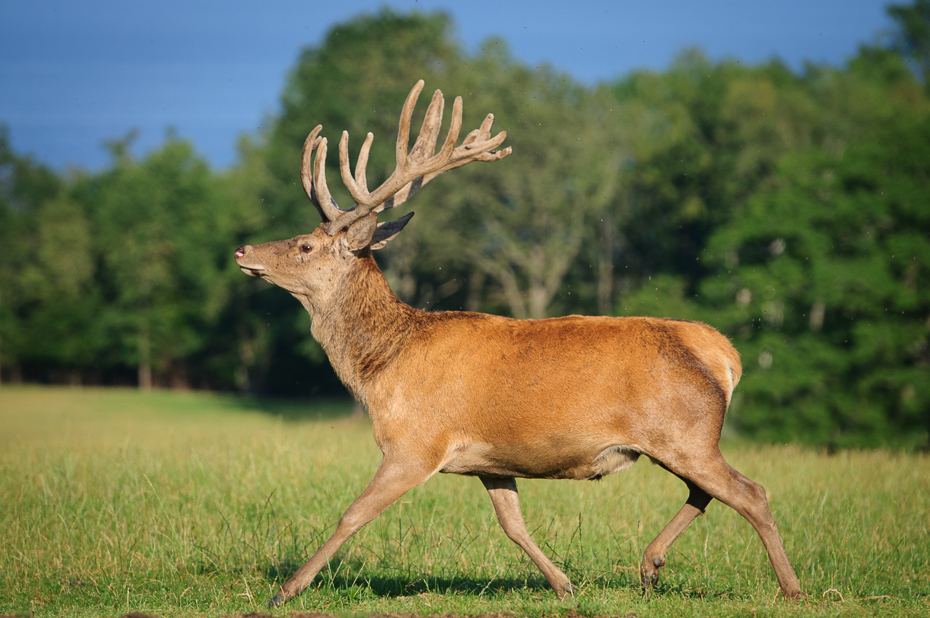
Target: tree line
[{"x": 789, "y": 209}]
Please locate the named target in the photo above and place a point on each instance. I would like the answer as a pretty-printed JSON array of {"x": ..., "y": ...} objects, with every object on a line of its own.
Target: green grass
[{"x": 189, "y": 504}]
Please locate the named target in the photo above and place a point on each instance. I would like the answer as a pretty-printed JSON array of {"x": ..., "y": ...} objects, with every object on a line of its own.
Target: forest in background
[{"x": 790, "y": 210}]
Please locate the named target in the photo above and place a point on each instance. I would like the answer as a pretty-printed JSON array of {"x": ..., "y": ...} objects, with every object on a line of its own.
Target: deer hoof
[
  {"x": 649, "y": 570},
  {"x": 277, "y": 600},
  {"x": 564, "y": 589}
]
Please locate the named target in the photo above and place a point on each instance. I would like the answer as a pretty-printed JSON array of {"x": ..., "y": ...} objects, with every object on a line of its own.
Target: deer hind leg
[
  {"x": 716, "y": 477},
  {"x": 654, "y": 556},
  {"x": 506, "y": 501},
  {"x": 392, "y": 480}
]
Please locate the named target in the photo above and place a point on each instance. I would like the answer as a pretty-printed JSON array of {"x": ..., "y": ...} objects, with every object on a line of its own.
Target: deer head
[{"x": 309, "y": 266}]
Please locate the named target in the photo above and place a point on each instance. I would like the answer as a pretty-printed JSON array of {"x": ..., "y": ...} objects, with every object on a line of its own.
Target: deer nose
[{"x": 240, "y": 251}]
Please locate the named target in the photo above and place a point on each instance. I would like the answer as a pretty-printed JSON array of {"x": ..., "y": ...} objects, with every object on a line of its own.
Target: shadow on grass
[
  {"x": 351, "y": 579},
  {"x": 350, "y": 576},
  {"x": 345, "y": 578},
  {"x": 299, "y": 409}
]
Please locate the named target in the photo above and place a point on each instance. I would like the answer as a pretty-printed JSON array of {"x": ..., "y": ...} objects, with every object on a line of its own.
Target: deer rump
[{"x": 563, "y": 398}]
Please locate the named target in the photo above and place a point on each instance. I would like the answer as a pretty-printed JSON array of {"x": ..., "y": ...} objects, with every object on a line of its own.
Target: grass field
[{"x": 187, "y": 504}]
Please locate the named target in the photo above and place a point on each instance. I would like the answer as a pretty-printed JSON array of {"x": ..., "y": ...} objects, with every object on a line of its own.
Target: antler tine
[
  {"x": 358, "y": 186},
  {"x": 306, "y": 168},
  {"x": 325, "y": 199},
  {"x": 362, "y": 165},
  {"x": 454, "y": 129},
  {"x": 403, "y": 131},
  {"x": 425, "y": 145},
  {"x": 313, "y": 177},
  {"x": 478, "y": 145}
]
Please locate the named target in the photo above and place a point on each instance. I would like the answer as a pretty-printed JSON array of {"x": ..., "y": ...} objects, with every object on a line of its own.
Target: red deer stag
[{"x": 493, "y": 397}]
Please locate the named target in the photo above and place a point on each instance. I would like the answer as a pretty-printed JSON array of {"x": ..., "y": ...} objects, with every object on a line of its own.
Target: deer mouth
[{"x": 252, "y": 271}]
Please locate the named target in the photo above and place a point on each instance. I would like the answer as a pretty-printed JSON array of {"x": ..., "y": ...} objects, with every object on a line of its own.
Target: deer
[{"x": 474, "y": 394}]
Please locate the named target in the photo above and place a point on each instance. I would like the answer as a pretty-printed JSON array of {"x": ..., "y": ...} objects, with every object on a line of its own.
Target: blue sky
[{"x": 74, "y": 73}]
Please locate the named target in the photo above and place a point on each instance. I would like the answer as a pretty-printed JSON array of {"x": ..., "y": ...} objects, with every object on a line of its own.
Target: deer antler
[{"x": 413, "y": 170}]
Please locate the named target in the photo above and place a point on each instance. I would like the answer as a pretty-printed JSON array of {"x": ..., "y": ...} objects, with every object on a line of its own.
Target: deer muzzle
[{"x": 246, "y": 262}]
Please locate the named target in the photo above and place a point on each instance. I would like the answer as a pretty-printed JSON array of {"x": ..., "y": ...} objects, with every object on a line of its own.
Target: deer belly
[{"x": 481, "y": 459}]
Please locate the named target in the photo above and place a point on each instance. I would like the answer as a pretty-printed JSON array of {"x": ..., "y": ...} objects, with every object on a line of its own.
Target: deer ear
[
  {"x": 388, "y": 230},
  {"x": 359, "y": 235}
]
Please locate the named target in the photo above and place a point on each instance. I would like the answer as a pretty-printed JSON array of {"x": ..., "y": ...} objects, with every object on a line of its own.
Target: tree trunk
[
  {"x": 145, "y": 359},
  {"x": 475, "y": 286},
  {"x": 605, "y": 267}
]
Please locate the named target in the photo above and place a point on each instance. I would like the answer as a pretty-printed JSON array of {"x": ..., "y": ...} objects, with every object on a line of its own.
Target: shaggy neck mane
[{"x": 364, "y": 326}]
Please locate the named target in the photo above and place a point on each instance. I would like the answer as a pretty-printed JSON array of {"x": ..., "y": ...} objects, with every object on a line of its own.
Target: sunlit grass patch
[{"x": 182, "y": 504}]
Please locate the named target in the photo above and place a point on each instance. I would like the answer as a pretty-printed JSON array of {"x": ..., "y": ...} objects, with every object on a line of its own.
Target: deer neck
[{"x": 362, "y": 326}]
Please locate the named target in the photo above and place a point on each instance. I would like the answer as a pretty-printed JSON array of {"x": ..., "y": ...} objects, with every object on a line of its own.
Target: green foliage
[
  {"x": 524, "y": 223},
  {"x": 804, "y": 238},
  {"x": 912, "y": 38},
  {"x": 828, "y": 291},
  {"x": 787, "y": 209},
  {"x": 24, "y": 188},
  {"x": 123, "y": 269}
]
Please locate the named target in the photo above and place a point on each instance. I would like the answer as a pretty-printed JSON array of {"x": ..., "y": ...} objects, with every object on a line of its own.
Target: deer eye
[{"x": 306, "y": 248}]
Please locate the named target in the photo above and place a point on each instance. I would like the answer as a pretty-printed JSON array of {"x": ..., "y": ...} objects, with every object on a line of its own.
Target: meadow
[{"x": 195, "y": 504}]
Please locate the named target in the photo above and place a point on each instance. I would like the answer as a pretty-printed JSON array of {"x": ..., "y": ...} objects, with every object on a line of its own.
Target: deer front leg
[
  {"x": 392, "y": 480},
  {"x": 503, "y": 492}
]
